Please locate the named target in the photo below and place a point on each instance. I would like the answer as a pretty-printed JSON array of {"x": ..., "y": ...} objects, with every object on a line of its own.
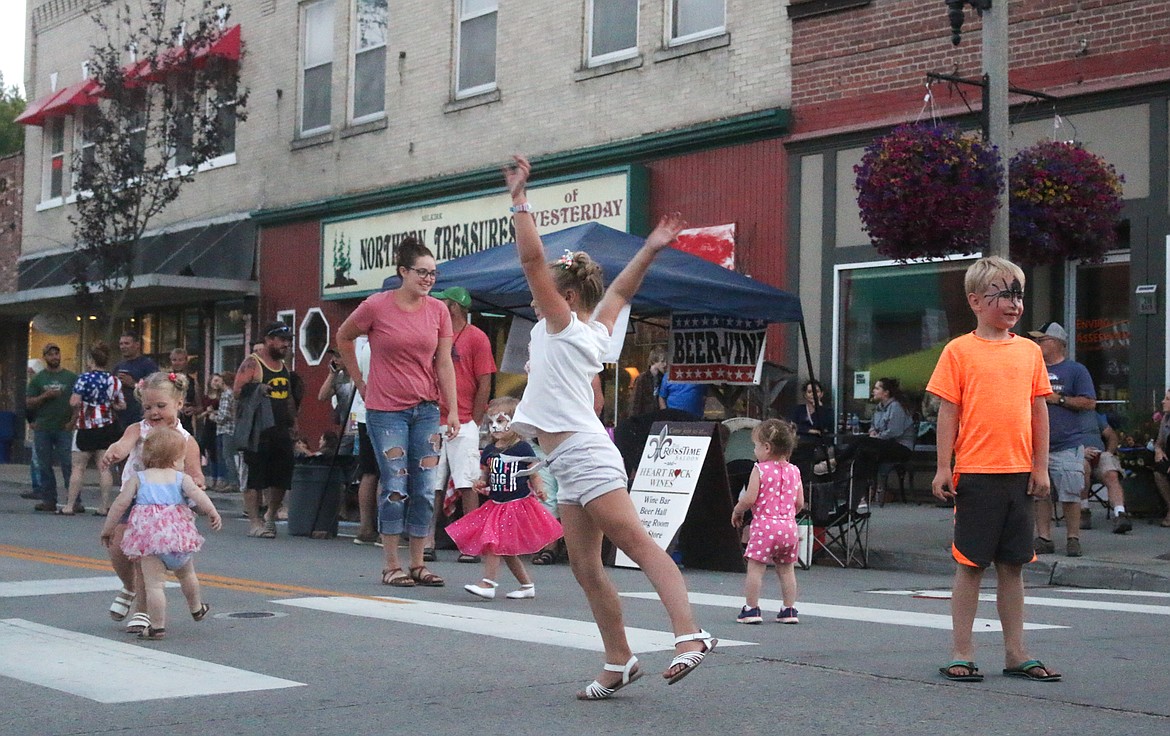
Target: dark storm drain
[{"x": 250, "y": 614}]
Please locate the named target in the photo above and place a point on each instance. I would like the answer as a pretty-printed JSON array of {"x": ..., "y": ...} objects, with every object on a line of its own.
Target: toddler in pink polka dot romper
[{"x": 774, "y": 494}]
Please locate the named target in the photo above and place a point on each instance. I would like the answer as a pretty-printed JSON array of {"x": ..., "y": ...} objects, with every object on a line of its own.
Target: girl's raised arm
[
  {"x": 621, "y": 292},
  {"x": 191, "y": 463},
  {"x": 118, "y": 509},
  {"x": 545, "y": 296}
]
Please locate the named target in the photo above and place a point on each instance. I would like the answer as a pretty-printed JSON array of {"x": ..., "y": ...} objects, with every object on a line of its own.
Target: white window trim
[
  {"x": 681, "y": 40},
  {"x": 301, "y": 336},
  {"x": 302, "y": 132},
  {"x": 609, "y": 58},
  {"x": 461, "y": 94},
  {"x": 352, "y": 98},
  {"x": 79, "y": 146}
]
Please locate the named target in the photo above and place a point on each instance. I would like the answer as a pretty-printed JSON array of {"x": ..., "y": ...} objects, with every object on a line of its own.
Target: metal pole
[{"x": 995, "y": 67}]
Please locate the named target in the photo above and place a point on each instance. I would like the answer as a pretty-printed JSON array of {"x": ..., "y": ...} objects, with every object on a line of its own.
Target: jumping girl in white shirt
[{"x": 577, "y": 319}]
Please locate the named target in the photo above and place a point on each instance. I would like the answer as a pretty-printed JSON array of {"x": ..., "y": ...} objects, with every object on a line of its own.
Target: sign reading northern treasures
[{"x": 358, "y": 253}]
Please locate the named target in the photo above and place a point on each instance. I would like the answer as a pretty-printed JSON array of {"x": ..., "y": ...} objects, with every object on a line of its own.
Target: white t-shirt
[
  {"x": 361, "y": 347},
  {"x": 561, "y": 367}
]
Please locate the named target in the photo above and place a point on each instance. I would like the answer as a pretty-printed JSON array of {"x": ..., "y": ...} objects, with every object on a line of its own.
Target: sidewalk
[{"x": 903, "y": 537}]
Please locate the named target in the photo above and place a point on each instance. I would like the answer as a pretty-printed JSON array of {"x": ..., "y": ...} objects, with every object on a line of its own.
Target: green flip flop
[
  {"x": 972, "y": 671},
  {"x": 1027, "y": 670}
]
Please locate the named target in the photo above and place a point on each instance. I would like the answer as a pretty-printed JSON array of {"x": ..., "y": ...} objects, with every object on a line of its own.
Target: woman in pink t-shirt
[{"x": 410, "y": 364}]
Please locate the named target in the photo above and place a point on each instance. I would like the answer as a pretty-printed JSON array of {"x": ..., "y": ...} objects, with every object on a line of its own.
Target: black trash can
[{"x": 315, "y": 496}]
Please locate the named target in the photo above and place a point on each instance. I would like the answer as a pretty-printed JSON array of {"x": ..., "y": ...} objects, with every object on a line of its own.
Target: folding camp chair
[{"x": 836, "y": 509}]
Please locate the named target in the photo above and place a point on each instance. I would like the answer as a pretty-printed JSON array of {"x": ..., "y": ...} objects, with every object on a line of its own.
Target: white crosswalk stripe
[
  {"x": 61, "y": 586},
  {"x": 495, "y": 622},
  {"x": 851, "y": 613},
  {"x": 82, "y": 665},
  {"x": 1032, "y": 600}
]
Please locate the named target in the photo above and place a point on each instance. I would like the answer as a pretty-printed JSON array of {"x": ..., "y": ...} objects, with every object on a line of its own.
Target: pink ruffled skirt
[
  {"x": 512, "y": 528},
  {"x": 154, "y": 529}
]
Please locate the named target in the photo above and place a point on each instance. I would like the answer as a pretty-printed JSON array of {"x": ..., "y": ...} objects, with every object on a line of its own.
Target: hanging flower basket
[
  {"x": 928, "y": 191},
  {"x": 1065, "y": 204}
]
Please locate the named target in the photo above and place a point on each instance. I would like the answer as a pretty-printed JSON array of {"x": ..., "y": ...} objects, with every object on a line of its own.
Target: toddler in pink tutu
[
  {"x": 774, "y": 494},
  {"x": 512, "y": 521},
  {"x": 160, "y": 533}
]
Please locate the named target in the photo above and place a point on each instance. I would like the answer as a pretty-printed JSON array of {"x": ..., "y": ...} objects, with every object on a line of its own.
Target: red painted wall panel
[{"x": 746, "y": 185}]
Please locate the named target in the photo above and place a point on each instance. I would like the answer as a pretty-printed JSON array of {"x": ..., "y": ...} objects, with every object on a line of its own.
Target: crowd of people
[{"x": 411, "y": 385}]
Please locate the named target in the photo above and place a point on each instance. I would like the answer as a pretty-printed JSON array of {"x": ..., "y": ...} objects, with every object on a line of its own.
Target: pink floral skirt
[
  {"x": 512, "y": 528},
  {"x": 155, "y": 529}
]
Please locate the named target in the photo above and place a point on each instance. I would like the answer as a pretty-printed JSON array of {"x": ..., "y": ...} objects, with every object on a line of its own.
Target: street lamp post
[{"x": 995, "y": 70}]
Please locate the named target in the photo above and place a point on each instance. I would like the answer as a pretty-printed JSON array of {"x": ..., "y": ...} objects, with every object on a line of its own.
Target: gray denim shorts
[
  {"x": 1066, "y": 469},
  {"x": 586, "y": 466}
]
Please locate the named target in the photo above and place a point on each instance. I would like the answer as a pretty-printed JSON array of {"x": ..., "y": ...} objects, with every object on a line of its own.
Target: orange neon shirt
[{"x": 993, "y": 382}]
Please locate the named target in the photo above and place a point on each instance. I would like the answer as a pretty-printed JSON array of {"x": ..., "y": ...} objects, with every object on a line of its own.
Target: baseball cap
[
  {"x": 277, "y": 329},
  {"x": 1050, "y": 329},
  {"x": 456, "y": 294},
  {"x": 50, "y": 346}
]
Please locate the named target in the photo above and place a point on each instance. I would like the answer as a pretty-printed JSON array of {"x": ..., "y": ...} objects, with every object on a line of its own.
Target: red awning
[
  {"x": 225, "y": 46},
  {"x": 34, "y": 112},
  {"x": 72, "y": 97}
]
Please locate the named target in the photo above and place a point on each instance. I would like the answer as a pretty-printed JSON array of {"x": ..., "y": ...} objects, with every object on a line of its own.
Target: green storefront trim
[{"x": 727, "y": 132}]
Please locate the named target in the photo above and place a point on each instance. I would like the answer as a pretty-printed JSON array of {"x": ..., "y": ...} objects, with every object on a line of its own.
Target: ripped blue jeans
[{"x": 406, "y": 444}]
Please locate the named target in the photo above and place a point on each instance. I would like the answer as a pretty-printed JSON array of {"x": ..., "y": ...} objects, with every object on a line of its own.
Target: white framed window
[
  {"x": 612, "y": 31},
  {"x": 316, "y": 67},
  {"x": 692, "y": 20},
  {"x": 54, "y": 175},
  {"x": 475, "y": 52},
  {"x": 84, "y": 141},
  {"x": 289, "y": 317},
  {"x": 368, "y": 80}
]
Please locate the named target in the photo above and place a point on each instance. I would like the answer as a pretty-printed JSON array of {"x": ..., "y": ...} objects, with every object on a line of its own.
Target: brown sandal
[
  {"x": 397, "y": 578},
  {"x": 426, "y": 578}
]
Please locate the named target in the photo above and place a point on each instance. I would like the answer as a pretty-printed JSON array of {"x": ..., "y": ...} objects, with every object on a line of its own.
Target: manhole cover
[{"x": 250, "y": 614}]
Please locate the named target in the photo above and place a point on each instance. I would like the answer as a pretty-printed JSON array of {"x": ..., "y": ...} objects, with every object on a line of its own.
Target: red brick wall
[
  {"x": 743, "y": 184},
  {"x": 290, "y": 257},
  {"x": 868, "y": 65},
  {"x": 11, "y": 201}
]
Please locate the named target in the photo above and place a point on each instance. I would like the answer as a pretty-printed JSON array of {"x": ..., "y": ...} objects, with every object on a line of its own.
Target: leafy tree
[
  {"x": 11, "y": 106},
  {"x": 159, "y": 120}
]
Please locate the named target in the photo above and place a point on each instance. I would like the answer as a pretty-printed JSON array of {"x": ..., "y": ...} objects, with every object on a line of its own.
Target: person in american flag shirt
[{"x": 97, "y": 394}]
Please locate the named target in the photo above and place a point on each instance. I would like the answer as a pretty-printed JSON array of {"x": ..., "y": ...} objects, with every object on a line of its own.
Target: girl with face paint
[{"x": 512, "y": 521}]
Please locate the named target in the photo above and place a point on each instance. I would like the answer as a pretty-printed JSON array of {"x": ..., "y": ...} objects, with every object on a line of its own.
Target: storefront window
[
  {"x": 894, "y": 321},
  {"x": 1102, "y": 328}
]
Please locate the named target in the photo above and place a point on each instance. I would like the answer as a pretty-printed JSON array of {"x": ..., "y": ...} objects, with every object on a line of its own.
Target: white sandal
[
  {"x": 137, "y": 623},
  {"x": 121, "y": 605},
  {"x": 596, "y": 691},
  {"x": 487, "y": 592},
  {"x": 690, "y": 660}
]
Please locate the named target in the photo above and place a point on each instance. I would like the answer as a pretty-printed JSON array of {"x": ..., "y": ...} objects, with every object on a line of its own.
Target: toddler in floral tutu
[
  {"x": 512, "y": 521},
  {"x": 160, "y": 533}
]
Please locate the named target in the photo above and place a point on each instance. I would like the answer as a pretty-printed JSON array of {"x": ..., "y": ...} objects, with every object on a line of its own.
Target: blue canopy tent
[{"x": 676, "y": 282}]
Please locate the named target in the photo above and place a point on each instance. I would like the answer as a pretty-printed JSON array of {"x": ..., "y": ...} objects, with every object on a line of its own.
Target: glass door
[{"x": 1100, "y": 341}]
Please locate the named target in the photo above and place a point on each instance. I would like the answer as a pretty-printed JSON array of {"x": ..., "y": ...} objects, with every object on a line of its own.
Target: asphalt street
[{"x": 304, "y": 639}]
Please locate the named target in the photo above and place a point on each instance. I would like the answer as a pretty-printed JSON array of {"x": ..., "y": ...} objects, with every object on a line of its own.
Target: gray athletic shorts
[
  {"x": 1066, "y": 469},
  {"x": 586, "y": 466}
]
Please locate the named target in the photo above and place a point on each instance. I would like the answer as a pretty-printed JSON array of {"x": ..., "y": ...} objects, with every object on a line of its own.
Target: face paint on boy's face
[
  {"x": 1012, "y": 292},
  {"x": 499, "y": 422}
]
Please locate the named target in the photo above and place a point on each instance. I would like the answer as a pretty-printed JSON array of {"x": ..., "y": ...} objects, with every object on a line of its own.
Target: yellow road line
[{"x": 216, "y": 581}]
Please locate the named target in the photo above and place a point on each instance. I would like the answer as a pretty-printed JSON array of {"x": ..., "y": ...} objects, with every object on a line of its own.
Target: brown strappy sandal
[{"x": 426, "y": 578}]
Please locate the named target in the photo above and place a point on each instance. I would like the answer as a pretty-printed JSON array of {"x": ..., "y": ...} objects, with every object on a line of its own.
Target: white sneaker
[
  {"x": 526, "y": 591},
  {"x": 487, "y": 592}
]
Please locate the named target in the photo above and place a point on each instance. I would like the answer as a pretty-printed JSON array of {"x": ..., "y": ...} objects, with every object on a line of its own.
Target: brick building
[
  {"x": 370, "y": 118},
  {"x": 859, "y": 67}
]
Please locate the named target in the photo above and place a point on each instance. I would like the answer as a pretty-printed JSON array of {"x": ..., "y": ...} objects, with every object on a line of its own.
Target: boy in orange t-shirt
[{"x": 992, "y": 385}]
